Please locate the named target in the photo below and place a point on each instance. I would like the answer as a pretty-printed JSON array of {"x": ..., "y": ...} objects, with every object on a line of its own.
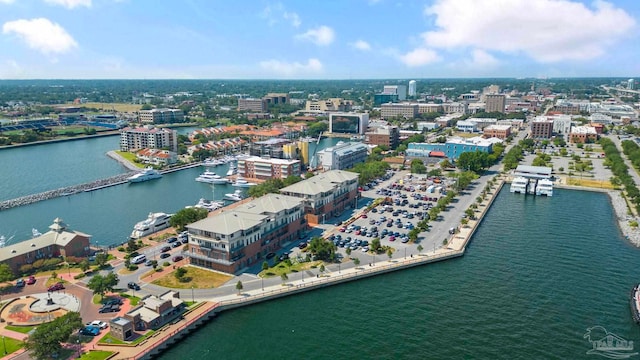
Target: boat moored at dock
[
  {"x": 155, "y": 222},
  {"x": 148, "y": 173},
  {"x": 634, "y": 302},
  {"x": 544, "y": 187},
  {"x": 519, "y": 185},
  {"x": 241, "y": 182},
  {"x": 210, "y": 177},
  {"x": 235, "y": 196}
]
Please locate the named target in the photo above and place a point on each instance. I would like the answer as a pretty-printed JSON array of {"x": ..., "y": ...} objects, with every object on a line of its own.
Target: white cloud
[
  {"x": 293, "y": 17},
  {"x": 41, "y": 34},
  {"x": 268, "y": 12},
  {"x": 546, "y": 30},
  {"x": 419, "y": 57},
  {"x": 6, "y": 1},
  {"x": 361, "y": 45},
  {"x": 70, "y": 4},
  {"x": 320, "y": 36},
  {"x": 481, "y": 58},
  {"x": 292, "y": 68}
]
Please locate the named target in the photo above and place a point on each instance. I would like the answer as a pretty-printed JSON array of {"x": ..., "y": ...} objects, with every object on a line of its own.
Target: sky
[{"x": 307, "y": 39}]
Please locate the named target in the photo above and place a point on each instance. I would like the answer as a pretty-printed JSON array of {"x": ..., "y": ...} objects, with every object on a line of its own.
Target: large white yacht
[
  {"x": 232, "y": 169},
  {"x": 148, "y": 173},
  {"x": 155, "y": 222},
  {"x": 212, "y": 162},
  {"x": 241, "y": 182},
  {"x": 209, "y": 204},
  {"x": 544, "y": 187},
  {"x": 235, "y": 196},
  {"x": 519, "y": 185},
  {"x": 212, "y": 178}
]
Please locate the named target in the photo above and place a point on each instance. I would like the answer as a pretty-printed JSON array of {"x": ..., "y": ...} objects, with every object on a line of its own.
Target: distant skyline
[{"x": 331, "y": 39}]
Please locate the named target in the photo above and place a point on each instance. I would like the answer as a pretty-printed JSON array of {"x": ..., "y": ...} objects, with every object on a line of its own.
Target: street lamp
[
  {"x": 338, "y": 268},
  {"x": 192, "y": 297},
  {"x": 262, "y": 282},
  {"x": 78, "y": 345},
  {"x": 405, "y": 253},
  {"x": 4, "y": 345}
]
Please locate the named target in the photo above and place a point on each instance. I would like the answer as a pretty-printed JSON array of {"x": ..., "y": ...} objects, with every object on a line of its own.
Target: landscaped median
[
  {"x": 97, "y": 355},
  {"x": 108, "y": 339},
  {"x": 193, "y": 278}
]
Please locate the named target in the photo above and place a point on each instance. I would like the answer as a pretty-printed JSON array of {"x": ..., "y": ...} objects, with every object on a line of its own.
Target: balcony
[{"x": 206, "y": 258}]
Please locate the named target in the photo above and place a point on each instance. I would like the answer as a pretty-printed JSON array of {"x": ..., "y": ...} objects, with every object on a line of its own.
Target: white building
[
  {"x": 412, "y": 88},
  {"x": 160, "y": 116},
  {"x": 348, "y": 123},
  {"x": 467, "y": 126},
  {"x": 342, "y": 156},
  {"x": 148, "y": 137}
]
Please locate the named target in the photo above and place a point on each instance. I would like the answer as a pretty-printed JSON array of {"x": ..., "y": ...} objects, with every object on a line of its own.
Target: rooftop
[
  {"x": 321, "y": 183},
  {"x": 229, "y": 222}
]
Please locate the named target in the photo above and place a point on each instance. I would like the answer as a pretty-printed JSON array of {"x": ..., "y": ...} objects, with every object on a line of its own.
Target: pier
[{"x": 74, "y": 189}]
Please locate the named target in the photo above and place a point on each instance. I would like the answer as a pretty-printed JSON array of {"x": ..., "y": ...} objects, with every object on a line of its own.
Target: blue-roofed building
[
  {"x": 342, "y": 156},
  {"x": 451, "y": 149}
]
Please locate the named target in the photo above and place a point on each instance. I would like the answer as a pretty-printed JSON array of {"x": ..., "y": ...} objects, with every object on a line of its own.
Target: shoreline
[{"x": 124, "y": 162}]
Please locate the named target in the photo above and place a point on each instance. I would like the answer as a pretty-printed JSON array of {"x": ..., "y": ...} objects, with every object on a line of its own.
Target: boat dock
[{"x": 74, "y": 189}]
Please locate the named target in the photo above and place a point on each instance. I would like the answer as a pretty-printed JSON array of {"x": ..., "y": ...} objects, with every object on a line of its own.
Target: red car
[
  {"x": 56, "y": 287},
  {"x": 364, "y": 216},
  {"x": 343, "y": 229},
  {"x": 31, "y": 280}
]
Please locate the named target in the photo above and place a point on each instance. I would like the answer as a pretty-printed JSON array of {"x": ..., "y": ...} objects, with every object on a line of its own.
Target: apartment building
[
  {"x": 268, "y": 168},
  {"x": 332, "y": 104},
  {"x": 325, "y": 195},
  {"x": 384, "y": 135},
  {"x": 233, "y": 240},
  {"x": 148, "y": 137},
  {"x": 342, "y": 156},
  {"x": 541, "y": 128}
]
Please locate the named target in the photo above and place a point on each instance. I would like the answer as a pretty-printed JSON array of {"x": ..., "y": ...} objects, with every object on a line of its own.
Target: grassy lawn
[
  {"x": 130, "y": 157},
  {"x": 12, "y": 344},
  {"x": 109, "y": 339},
  {"x": 20, "y": 329},
  {"x": 604, "y": 184},
  {"x": 197, "y": 278},
  {"x": 96, "y": 355},
  {"x": 282, "y": 268},
  {"x": 134, "y": 300},
  {"x": 98, "y": 300},
  {"x": 465, "y": 134}
]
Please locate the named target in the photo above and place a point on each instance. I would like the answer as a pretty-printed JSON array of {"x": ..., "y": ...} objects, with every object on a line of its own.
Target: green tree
[
  {"x": 417, "y": 167},
  {"x": 187, "y": 216},
  {"x": 265, "y": 266},
  {"x": 348, "y": 251},
  {"x": 389, "y": 253},
  {"x": 46, "y": 339},
  {"x": 375, "y": 245},
  {"x": 420, "y": 248},
  {"x": 101, "y": 284},
  {"x": 464, "y": 222},
  {"x": 180, "y": 273},
  {"x": 356, "y": 261},
  {"x": 322, "y": 268},
  {"x": 239, "y": 286},
  {"x": 84, "y": 265},
  {"x": 101, "y": 259},
  {"x": 284, "y": 278},
  {"x": 323, "y": 249},
  {"x": 6, "y": 273}
]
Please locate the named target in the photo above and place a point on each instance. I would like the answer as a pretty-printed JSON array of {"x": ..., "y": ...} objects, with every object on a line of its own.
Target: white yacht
[
  {"x": 235, "y": 196},
  {"x": 519, "y": 185},
  {"x": 544, "y": 187},
  {"x": 211, "y": 162},
  {"x": 209, "y": 204},
  {"x": 155, "y": 222},
  {"x": 148, "y": 173},
  {"x": 232, "y": 169},
  {"x": 212, "y": 178},
  {"x": 241, "y": 182}
]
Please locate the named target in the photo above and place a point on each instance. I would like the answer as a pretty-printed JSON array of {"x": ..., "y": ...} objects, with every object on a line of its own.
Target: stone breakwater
[
  {"x": 65, "y": 191},
  {"x": 624, "y": 218}
]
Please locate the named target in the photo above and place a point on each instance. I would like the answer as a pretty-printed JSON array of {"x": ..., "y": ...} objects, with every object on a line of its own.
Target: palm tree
[
  {"x": 284, "y": 278},
  {"x": 239, "y": 287}
]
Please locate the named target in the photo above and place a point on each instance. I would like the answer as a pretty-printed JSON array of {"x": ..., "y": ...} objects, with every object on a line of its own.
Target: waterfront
[
  {"x": 537, "y": 274},
  {"x": 107, "y": 214}
]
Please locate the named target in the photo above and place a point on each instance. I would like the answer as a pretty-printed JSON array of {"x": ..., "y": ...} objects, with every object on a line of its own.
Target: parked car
[
  {"x": 172, "y": 239},
  {"x": 164, "y": 255},
  {"x": 302, "y": 245},
  {"x": 149, "y": 263},
  {"x": 20, "y": 283},
  {"x": 176, "y": 244},
  {"x": 114, "y": 301},
  {"x": 55, "y": 287},
  {"x": 270, "y": 255},
  {"x": 165, "y": 248},
  {"x": 98, "y": 324},
  {"x": 90, "y": 330},
  {"x": 109, "y": 309},
  {"x": 31, "y": 280},
  {"x": 133, "y": 286},
  {"x": 283, "y": 257},
  {"x": 177, "y": 258}
]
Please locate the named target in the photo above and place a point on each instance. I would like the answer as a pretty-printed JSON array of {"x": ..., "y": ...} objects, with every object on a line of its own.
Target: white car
[{"x": 98, "y": 323}]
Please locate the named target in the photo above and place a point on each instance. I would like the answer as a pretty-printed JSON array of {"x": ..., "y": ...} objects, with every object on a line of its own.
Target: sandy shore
[{"x": 114, "y": 155}]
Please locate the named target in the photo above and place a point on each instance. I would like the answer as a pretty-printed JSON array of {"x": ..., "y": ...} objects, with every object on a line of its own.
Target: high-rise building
[
  {"x": 160, "y": 116},
  {"x": 541, "y": 128},
  {"x": 405, "y": 110},
  {"x": 631, "y": 84},
  {"x": 385, "y": 135},
  {"x": 412, "y": 88},
  {"x": 148, "y": 137},
  {"x": 254, "y": 105},
  {"x": 495, "y": 103},
  {"x": 400, "y": 90},
  {"x": 342, "y": 156}
]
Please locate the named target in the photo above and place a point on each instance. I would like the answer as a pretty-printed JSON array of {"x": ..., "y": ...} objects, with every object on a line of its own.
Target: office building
[
  {"x": 342, "y": 156},
  {"x": 252, "y": 105},
  {"x": 271, "y": 168},
  {"x": 400, "y": 90},
  {"x": 467, "y": 126},
  {"x": 497, "y": 131},
  {"x": 276, "y": 98},
  {"x": 148, "y": 137},
  {"x": 403, "y": 110},
  {"x": 541, "y": 128},
  {"x": 348, "y": 123},
  {"x": 412, "y": 88},
  {"x": 379, "y": 99},
  {"x": 384, "y": 135},
  {"x": 59, "y": 241},
  {"x": 233, "y": 240},
  {"x": 333, "y": 104},
  {"x": 495, "y": 103},
  {"x": 451, "y": 149},
  {"x": 325, "y": 195},
  {"x": 583, "y": 135},
  {"x": 160, "y": 116},
  {"x": 631, "y": 84},
  {"x": 429, "y": 108}
]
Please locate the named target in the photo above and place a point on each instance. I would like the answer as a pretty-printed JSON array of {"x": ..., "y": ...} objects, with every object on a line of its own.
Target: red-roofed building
[{"x": 157, "y": 157}]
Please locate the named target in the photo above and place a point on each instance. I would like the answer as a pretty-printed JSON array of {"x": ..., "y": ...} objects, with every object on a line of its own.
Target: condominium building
[
  {"x": 252, "y": 105},
  {"x": 270, "y": 168},
  {"x": 451, "y": 149},
  {"x": 495, "y": 103},
  {"x": 132, "y": 139},
  {"x": 333, "y": 104},
  {"x": 541, "y": 128},
  {"x": 405, "y": 110},
  {"x": 325, "y": 195},
  {"x": 384, "y": 135},
  {"x": 342, "y": 156},
  {"x": 412, "y": 88},
  {"x": 497, "y": 131},
  {"x": 160, "y": 116},
  {"x": 233, "y": 240}
]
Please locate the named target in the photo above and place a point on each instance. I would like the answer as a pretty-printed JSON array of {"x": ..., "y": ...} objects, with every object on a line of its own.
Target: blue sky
[{"x": 329, "y": 39}]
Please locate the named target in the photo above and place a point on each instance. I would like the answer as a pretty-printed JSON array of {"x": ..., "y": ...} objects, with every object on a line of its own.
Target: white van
[{"x": 139, "y": 259}]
